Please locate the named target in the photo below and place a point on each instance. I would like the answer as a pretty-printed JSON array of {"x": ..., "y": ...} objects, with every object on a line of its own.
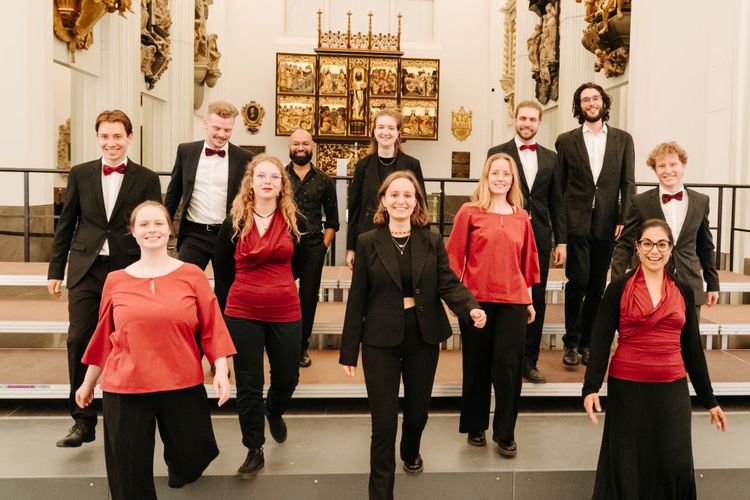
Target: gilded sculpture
[
  {"x": 155, "y": 40},
  {"x": 206, "y": 54},
  {"x": 607, "y": 35},
  {"x": 252, "y": 116},
  {"x": 544, "y": 49},
  {"x": 508, "y": 82},
  {"x": 461, "y": 123},
  {"x": 73, "y": 20},
  {"x": 63, "y": 146},
  {"x": 368, "y": 42}
]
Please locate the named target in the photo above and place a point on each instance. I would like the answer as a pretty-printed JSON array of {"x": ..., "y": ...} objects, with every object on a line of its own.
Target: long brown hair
[
  {"x": 244, "y": 202},
  {"x": 419, "y": 217},
  {"x": 151, "y": 203},
  {"x": 394, "y": 113},
  {"x": 482, "y": 196}
]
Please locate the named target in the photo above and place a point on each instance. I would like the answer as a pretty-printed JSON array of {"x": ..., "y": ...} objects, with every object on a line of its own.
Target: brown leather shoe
[
  {"x": 533, "y": 375},
  {"x": 570, "y": 356},
  {"x": 77, "y": 435}
]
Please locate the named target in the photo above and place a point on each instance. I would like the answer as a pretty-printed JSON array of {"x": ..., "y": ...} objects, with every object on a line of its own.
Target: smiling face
[
  {"x": 113, "y": 141},
  {"x": 669, "y": 170},
  {"x": 218, "y": 130},
  {"x": 267, "y": 181},
  {"x": 592, "y": 105},
  {"x": 300, "y": 147},
  {"x": 151, "y": 228},
  {"x": 386, "y": 131},
  {"x": 399, "y": 199},
  {"x": 500, "y": 177},
  {"x": 527, "y": 123},
  {"x": 654, "y": 259}
]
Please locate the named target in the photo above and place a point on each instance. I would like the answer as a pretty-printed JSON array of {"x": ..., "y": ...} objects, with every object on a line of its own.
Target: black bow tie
[{"x": 219, "y": 152}]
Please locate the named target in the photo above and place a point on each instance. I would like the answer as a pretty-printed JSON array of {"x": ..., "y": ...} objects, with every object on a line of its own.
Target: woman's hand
[
  {"x": 350, "y": 259},
  {"x": 591, "y": 403},
  {"x": 718, "y": 418},
  {"x": 479, "y": 317},
  {"x": 221, "y": 381},
  {"x": 530, "y": 313},
  {"x": 349, "y": 370},
  {"x": 85, "y": 395}
]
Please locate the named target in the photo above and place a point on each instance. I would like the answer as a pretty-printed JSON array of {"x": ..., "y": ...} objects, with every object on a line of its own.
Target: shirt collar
[
  {"x": 124, "y": 162},
  {"x": 664, "y": 191},
  {"x": 520, "y": 143},
  {"x": 587, "y": 130}
]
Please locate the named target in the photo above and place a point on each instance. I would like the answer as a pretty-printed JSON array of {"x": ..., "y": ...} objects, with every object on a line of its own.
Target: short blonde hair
[
  {"x": 222, "y": 109},
  {"x": 482, "y": 196},
  {"x": 666, "y": 148},
  {"x": 419, "y": 217}
]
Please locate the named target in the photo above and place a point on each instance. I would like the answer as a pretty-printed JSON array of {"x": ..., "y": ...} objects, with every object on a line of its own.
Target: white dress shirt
[
  {"x": 595, "y": 146},
  {"x": 208, "y": 203},
  {"x": 110, "y": 189},
  {"x": 529, "y": 163},
  {"x": 675, "y": 210}
]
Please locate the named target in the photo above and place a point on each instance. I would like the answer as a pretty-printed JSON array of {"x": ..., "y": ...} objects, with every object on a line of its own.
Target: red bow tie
[
  {"x": 120, "y": 169},
  {"x": 220, "y": 152},
  {"x": 530, "y": 147},
  {"x": 666, "y": 198}
]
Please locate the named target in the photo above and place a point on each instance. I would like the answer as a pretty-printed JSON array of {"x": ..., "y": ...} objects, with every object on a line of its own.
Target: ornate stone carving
[
  {"x": 461, "y": 124},
  {"x": 508, "y": 82},
  {"x": 206, "y": 53},
  {"x": 607, "y": 35},
  {"x": 544, "y": 49},
  {"x": 329, "y": 153},
  {"x": 73, "y": 20},
  {"x": 63, "y": 146},
  {"x": 155, "y": 39},
  {"x": 338, "y": 41}
]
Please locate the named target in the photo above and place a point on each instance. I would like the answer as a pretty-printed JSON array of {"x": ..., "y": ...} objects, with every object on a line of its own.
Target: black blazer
[
  {"x": 180, "y": 188},
  {"x": 83, "y": 225},
  {"x": 375, "y": 309},
  {"x": 363, "y": 192},
  {"x": 612, "y": 192},
  {"x": 542, "y": 200},
  {"x": 693, "y": 257}
]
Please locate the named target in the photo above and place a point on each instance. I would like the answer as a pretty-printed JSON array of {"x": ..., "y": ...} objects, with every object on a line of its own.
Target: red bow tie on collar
[
  {"x": 219, "y": 152},
  {"x": 666, "y": 198},
  {"x": 530, "y": 147},
  {"x": 120, "y": 169}
]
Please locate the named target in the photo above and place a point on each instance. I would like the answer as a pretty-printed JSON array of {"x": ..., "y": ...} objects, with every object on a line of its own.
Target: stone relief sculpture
[
  {"x": 155, "y": 40},
  {"x": 73, "y": 20},
  {"x": 607, "y": 35},
  {"x": 544, "y": 49},
  {"x": 508, "y": 81},
  {"x": 206, "y": 53},
  {"x": 63, "y": 146}
]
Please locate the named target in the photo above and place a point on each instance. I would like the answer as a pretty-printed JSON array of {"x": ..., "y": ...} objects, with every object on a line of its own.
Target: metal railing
[{"x": 723, "y": 192}]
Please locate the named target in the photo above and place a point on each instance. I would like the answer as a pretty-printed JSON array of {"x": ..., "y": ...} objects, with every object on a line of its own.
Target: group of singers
[{"x": 142, "y": 320}]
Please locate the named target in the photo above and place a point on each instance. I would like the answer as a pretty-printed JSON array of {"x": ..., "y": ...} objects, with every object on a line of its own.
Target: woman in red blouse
[
  {"x": 492, "y": 249},
  {"x": 256, "y": 290},
  {"x": 646, "y": 450},
  {"x": 145, "y": 348}
]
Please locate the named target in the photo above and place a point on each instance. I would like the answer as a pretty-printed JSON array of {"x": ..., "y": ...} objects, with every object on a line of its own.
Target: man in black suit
[
  {"x": 595, "y": 171},
  {"x": 93, "y": 227},
  {"x": 542, "y": 199},
  {"x": 205, "y": 179},
  {"x": 686, "y": 211}
]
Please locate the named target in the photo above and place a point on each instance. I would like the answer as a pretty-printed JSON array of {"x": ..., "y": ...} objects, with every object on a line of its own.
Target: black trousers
[
  {"x": 130, "y": 422},
  {"x": 307, "y": 265},
  {"x": 197, "y": 243},
  {"x": 539, "y": 301},
  {"x": 416, "y": 361},
  {"x": 83, "y": 314},
  {"x": 586, "y": 270},
  {"x": 493, "y": 357},
  {"x": 281, "y": 342}
]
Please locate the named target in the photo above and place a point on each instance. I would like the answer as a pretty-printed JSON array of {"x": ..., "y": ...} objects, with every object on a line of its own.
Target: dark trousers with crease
[
  {"x": 416, "y": 361},
  {"x": 586, "y": 270},
  {"x": 493, "y": 357},
  {"x": 197, "y": 244},
  {"x": 307, "y": 265},
  {"x": 130, "y": 422},
  {"x": 281, "y": 342},
  {"x": 83, "y": 314},
  {"x": 539, "y": 300}
]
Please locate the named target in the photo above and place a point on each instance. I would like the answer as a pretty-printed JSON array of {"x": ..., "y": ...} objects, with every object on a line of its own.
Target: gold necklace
[{"x": 401, "y": 247}]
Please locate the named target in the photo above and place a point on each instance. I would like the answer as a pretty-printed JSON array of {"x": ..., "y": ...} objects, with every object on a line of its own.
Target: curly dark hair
[{"x": 606, "y": 100}]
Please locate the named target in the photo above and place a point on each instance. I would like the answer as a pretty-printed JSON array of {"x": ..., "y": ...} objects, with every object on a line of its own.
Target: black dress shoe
[
  {"x": 174, "y": 480},
  {"x": 533, "y": 375},
  {"x": 277, "y": 427},
  {"x": 415, "y": 467},
  {"x": 77, "y": 435},
  {"x": 304, "y": 359},
  {"x": 477, "y": 439},
  {"x": 252, "y": 464},
  {"x": 570, "y": 356},
  {"x": 585, "y": 355},
  {"x": 506, "y": 448}
]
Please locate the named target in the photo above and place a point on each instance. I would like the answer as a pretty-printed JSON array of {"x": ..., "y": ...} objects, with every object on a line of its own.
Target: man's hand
[
  {"x": 560, "y": 254},
  {"x": 712, "y": 298},
  {"x": 618, "y": 230},
  {"x": 54, "y": 287}
]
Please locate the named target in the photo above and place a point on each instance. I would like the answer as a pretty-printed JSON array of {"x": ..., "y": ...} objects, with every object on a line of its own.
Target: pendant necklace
[
  {"x": 401, "y": 247},
  {"x": 380, "y": 159}
]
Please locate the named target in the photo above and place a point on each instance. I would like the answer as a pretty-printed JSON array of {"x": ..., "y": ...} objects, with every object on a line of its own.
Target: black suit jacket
[
  {"x": 180, "y": 188},
  {"x": 375, "y": 308},
  {"x": 363, "y": 192},
  {"x": 610, "y": 195},
  {"x": 693, "y": 256},
  {"x": 83, "y": 225},
  {"x": 542, "y": 200}
]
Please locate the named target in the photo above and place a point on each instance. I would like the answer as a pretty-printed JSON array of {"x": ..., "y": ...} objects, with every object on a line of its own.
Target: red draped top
[{"x": 648, "y": 348}]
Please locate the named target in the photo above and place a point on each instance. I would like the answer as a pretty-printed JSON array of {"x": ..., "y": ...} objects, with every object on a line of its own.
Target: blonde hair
[
  {"x": 666, "y": 148},
  {"x": 222, "y": 109},
  {"x": 482, "y": 196},
  {"x": 394, "y": 113},
  {"x": 419, "y": 217},
  {"x": 151, "y": 203},
  {"x": 244, "y": 202}
]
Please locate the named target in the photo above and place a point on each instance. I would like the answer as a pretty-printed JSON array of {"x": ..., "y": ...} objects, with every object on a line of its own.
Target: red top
[
  {"x": 145, "y": 339},
  {"x": 495, "y": 255},
  {"x": 263, "y": 287},
  {"x": 648, "y": 348}
]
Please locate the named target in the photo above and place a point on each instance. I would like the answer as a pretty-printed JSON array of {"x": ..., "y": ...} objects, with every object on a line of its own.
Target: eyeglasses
[
  {"x": 262, "y": 176},
  {"x": 662, "y": 246},
  {"x": 595, "y": 98}
]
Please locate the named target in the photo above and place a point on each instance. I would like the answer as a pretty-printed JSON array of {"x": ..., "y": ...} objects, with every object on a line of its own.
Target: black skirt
[{"x": 646, "y": 451}]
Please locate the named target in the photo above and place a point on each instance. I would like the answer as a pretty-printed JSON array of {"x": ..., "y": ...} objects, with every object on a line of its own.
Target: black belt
[
  {"x": 102, "y": 258},
  {"x": 209, "y": 228}
]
